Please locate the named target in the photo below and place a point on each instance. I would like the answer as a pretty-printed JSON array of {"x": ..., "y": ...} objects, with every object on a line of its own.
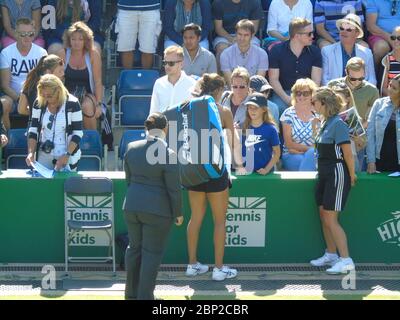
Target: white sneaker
[
  {"x": 342, "y": 266},
  {"x": 195, "y": 269},
  {"x": 328, "y": 259},
  {"x": 224, "y": 273}
]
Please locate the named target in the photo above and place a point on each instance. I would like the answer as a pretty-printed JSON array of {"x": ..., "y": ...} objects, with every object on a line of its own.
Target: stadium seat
[
  {"x": 127, "y": 137},
  {"x": 16, "y": 150},
  {"x": 132, "y": 96},
  {"x": 92, "y": 151}
]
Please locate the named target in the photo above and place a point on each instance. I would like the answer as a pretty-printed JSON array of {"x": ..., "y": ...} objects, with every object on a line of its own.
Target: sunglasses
[
  {"x": 393, "y": 38},
  {"x": 170, "y": 63},
  {"x": 26, "y": 34},
  {"x": 347, "y": 29},
  {"x": 309, "y": 34},
  {"x": 238, "y": 87},
  {"x": 303, "y": 93},
  {"x": 356, "y": 79},
  {"x": 51, "y": 120}
]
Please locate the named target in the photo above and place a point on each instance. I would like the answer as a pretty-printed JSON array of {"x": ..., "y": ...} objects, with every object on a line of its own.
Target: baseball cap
[
  {"x": 258, "y": 100},
  {"x": 259, "y": 83}
]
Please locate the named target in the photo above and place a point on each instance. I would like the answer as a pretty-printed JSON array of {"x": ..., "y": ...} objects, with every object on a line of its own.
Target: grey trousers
[{"x": 148, "y": 235}]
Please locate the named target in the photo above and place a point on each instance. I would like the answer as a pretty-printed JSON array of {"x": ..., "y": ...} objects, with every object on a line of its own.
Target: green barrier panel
[{"x": 271, "y": 219}]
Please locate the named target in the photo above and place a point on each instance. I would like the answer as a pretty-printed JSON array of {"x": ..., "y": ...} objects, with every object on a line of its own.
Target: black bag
[{"x": 122, "y": 241}]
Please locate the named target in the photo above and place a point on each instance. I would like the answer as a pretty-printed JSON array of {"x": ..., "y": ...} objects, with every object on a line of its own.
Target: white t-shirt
[
  {"x": 19, "y": 65},
  {"x": 279, "y": 14}
]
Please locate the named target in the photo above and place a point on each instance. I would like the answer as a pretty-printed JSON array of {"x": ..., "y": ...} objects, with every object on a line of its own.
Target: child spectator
[{"x": 261, "y": 146}]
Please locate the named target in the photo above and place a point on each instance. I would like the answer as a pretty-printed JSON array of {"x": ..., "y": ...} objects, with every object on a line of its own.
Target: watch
[{"x": 68, "y": 154}]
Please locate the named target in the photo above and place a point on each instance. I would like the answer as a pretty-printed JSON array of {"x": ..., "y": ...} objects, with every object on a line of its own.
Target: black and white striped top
[{"x": 73, "y": 118}]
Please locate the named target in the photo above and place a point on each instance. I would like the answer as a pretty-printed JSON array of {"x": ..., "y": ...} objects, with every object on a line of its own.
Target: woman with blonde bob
[
  {"x": 56, "y": 127},
  {"x": 336, "y": 176},
  {"x": 83, "y": 71},
  {"x": 298, "y": 148}
]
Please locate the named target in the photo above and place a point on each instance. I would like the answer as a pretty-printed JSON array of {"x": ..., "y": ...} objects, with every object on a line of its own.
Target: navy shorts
[
  {"x": 213, "y": 185},
  {"x": 333, "y": 187}
]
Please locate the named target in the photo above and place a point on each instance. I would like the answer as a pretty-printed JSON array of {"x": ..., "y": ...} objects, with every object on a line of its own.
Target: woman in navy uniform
[{"x": 336, "y": 175}]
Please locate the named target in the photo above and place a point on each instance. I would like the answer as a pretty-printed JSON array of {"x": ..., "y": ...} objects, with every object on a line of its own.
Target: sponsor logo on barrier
[
  {"x": 89, "y": 208},
  {"x": 389, "y": 231},
  {"x": 246, "y": 222}
]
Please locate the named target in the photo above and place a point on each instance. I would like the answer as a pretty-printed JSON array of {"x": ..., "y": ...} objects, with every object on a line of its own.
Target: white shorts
[{"x": 133, "y": 25}]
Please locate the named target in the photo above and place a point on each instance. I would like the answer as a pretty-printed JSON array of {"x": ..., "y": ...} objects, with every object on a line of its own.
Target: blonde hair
[
  {"x": 301, "y": 85},
  {"x": 246, "y": 24},
  {"x": 24, "y": 21},
  {"x": 296, "y": 25},
  {"x": 343, "y": 89},
  {"x": 174, "y": 49},
  {"x": 52, "y": 82},
  {"x": 84, "y": 30},
  {"x": 355, "y": 64},
  {"x": 267, "y": 118},
  {"x": 242, "y": 73},
  {"x": 331, "y": 101}
]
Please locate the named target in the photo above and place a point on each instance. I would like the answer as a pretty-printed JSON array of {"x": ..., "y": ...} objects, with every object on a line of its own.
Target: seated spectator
[
  {"x": 383, "y": 145},
  {"x": 280, "y": 13},
  {"x": 294, "y": 59},
  {"x": 364, "y": 93},
  {"x": 260, "y": 84},
  {"x": 227, "y": 13},
  {"x": 382, "y": 16},
  {"x": 12, "y": 10},
  {"x": 58, "y": 138},
  {"x": 235, "y": 100},
  {"x": 391, "y": 62},
  {"x": 326, "y": 14},
  {"x": 197, "y": 60},
  {"x": 335, "y": 56},
  {"x": 261, "y": 144},
  {"x": 3, "y": 132},
  {"x": 298, "y": 149},
  {"x": 179, "y": 13},
  {"x": 16, "y": 61},
  {"x": 50, "y": 64},
  {"x": 83, "y": 72},
  {"x": 138, "y": 20},
  {"x": 69, "y": 12},
  {"x": 243, "y": 53},
  {"x": 175, "y": 87}
]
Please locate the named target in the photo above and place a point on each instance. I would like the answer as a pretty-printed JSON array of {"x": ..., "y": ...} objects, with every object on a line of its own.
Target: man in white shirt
[
  {"x": 16, "y": 61},
  {"x": 175, "y": 87}
]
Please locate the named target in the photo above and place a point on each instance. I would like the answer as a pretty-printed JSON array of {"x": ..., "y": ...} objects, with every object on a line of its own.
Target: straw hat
[{"x": 354, "y": 20}]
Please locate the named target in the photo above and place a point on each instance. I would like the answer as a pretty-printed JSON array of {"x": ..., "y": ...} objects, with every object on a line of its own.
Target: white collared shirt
[{"x": 166, "y": 95}]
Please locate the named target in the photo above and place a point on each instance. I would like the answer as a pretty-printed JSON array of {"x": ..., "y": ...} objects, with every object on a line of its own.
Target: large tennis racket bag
[{"x": 195, "y": 134}]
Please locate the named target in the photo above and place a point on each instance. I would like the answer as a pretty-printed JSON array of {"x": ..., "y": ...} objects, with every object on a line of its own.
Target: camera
[{"x": 47, "y": 146}]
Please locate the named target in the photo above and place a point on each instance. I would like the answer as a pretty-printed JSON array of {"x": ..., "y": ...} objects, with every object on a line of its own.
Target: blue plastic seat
[
  {"x": 92, "y": 151},
  {"x": 16, "y": 150},
  {"x": 127, "y": 137}
]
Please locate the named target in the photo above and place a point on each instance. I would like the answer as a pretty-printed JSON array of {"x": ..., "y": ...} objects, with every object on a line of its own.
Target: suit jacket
[
  {"x": 152, "y": 175},
  {"x": 332, "y": 62}
]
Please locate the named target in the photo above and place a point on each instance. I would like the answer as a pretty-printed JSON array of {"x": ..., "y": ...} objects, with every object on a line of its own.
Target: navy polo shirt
[{"x": 292, "y": 68}]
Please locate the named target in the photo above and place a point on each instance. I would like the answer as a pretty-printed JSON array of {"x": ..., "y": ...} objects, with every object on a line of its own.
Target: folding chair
[
  {"x": 127, "y": 137},
  {"x": 89, "y": 209},
  {"x": 16, "y": 150},
  {"x": 92, "y": 151}
]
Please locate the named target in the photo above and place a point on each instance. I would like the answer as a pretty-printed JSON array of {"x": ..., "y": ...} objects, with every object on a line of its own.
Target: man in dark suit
[{"x": 153, "y": 201}]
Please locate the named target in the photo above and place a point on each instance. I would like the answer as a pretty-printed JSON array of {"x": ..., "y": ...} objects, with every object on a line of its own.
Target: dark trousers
[{"x": 148, "y": 235}]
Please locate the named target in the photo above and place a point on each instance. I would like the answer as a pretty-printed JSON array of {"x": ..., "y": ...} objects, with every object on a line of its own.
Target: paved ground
[{"x": 269, "y": 282}]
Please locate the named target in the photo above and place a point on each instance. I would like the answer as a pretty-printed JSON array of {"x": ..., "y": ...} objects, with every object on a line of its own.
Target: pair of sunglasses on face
[
  {"x": 394, "y": 38},
  {"x": 26, "y": 34},
  {"x": 170, "y": 63}
]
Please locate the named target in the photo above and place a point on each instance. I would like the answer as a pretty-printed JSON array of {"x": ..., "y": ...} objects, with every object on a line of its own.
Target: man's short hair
[
  {"x": 246, "y": 24},
  {"x": 174, "y": 49},
  {"x": 296, "y": 25},
  {"x": 24, "y": 21},
  {"x": 240, "y": 72},
  {"x": 355, "y": 64},
  {"x": 194, "y": 27}
]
